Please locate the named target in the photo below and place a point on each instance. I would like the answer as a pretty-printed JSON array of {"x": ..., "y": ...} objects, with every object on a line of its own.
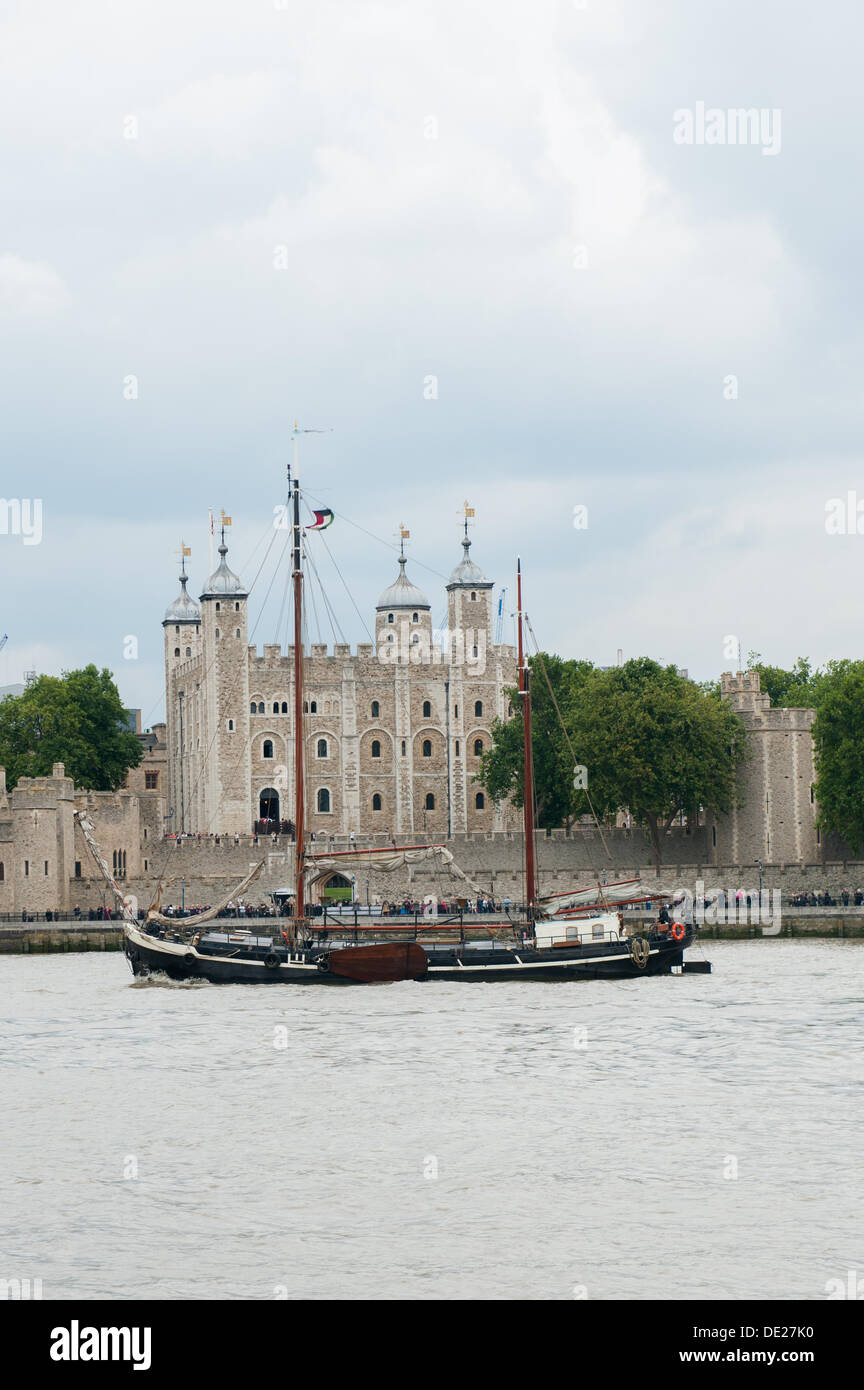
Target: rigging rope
[{"x": 566, "y": 735}]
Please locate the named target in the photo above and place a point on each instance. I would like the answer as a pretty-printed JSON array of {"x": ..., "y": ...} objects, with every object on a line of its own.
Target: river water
[{"x": 681, "y": 1137}]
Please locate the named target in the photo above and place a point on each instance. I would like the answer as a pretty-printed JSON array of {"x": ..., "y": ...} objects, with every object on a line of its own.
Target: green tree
[
  {"x": 657, "y": 745},
  {"x": 652, "y": 742},
  {"x": 838, "y": 736},
  {"x": 557, "y": 800},
  {"x": 77, "y": 719},
  {"x": 789, "y": 689}
]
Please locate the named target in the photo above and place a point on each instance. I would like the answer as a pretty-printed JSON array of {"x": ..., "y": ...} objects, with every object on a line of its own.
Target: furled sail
[
  {"x": 87, "y": 830},
  {"x": 387, "y": 860},
  {"x": 195, "y": 918},
  {"x": 601, "y": 895}
]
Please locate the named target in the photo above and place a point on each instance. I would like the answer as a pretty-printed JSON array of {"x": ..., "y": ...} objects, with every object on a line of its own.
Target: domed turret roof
[
  {"x": 466, "y": 572},
  {"x": 184, "y": 609},
  {"x": 403, "y": 594},
  {"x": 223, "y": 580}
]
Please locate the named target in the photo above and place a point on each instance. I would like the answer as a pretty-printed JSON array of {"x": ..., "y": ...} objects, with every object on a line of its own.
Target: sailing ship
[{"x": 578, "y": 934}]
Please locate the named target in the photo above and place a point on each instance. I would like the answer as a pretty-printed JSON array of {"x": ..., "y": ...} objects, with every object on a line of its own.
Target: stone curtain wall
[{"x": 493, "y": 861}]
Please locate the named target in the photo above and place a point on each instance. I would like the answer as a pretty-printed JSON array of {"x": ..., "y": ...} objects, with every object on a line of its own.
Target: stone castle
[{"x": 393, "y": 735}]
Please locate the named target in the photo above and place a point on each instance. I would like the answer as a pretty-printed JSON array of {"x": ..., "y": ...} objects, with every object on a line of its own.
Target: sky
[{"x": 468, "y": 241}]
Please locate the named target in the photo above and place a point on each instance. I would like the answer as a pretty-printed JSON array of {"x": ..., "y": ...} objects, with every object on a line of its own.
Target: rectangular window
[
  {"x": 46, "y": 866},
  {"x": 26, "y": 868},
  {"x": 77, "y": 868},
  {"x": 151, "y": 781}
]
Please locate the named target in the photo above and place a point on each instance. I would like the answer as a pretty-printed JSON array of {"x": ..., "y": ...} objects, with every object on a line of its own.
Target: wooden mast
[
  {"x": 300, "y": 797},
  {"x": 528, "y": 757}
]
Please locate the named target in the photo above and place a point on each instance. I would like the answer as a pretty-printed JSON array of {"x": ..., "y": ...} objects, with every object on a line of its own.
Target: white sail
[
  {"x": 387, "y": 860},
  {"x": 597, "y": 895}
]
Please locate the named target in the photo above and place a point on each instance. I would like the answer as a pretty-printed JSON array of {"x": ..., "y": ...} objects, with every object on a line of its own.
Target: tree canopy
[
  {"x": 796, "y": 688},
  {"x": 651, "y": 741},
  {"x": 838, "y": 736},
  {"x": 77, "y": 719}
]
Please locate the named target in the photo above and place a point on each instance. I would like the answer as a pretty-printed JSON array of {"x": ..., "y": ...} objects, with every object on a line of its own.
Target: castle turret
[
  {"x": 469, "y": 605},
  {"x": 403, "y": 620},
  {"x": 216, "y": 721},
  {"x": 182, "y": 628},
  {"x": 775, "y": 820}
]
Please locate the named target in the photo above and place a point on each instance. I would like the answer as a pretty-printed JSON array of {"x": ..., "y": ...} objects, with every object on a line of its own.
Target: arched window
[
  {"x": 218, "y": 635},
  {"x": 218, "y": 606},
  {"x": 275, "y": 706},
  {"x": 376, "y": 806},
  {"x": 313, "y": 708},
  {"x": 427, "y": 709},
  {"x": 236, "y": 608},
  {"x": 389, "y": 617},
  {"x": 230, "y": 726},
  {"x": 176, "y": 651},
  {"x": 430, "y": 801},
  {"x": 321, "y": 750},
  {"x": 236, "y": 632},
  {"x": 253, "y": 708},
  {"x": 284, "y": 706},
  {"x": 427, "y": 748},
  {"x": 267, "y": 750},
  {"x": 188, "y": 651},
  {"x": 414, "y": 617},
  {"x": 415, "y": 640},
  {"x": 261, "y": 707},
  {"x": 376, "y": 748},
  {"x": 473, "y": 598},
  {"x": 376, "y": 709},
  {"x": 478, "y": 709},
  {"x": 323, "y": 801},
  {"x": 478, "y": 747},
  {"x": 480, "y": 801},
  {"x": 403, "y": 748}
]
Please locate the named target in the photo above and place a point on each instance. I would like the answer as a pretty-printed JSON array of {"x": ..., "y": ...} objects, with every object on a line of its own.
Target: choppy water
[{"x": 581, "y": 1133}]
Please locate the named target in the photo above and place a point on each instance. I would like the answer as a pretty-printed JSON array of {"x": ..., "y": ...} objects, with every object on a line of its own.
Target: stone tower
[
  {"x": 476, "y": 683},
  {"x": 182, "y": 628},
  {"x": 777, "y": 819},
  {"x": 219, "y": 706}
]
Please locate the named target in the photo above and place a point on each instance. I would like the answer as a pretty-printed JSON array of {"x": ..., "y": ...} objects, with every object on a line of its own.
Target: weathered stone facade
[
  {"x": 776, "y": 820},
  {"x": 393, "y": 731},
  {"x": 45, "y": 864}
]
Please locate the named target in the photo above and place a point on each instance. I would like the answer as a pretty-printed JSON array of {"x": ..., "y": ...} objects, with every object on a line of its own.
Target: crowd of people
[{"x": 844, "y": 898}]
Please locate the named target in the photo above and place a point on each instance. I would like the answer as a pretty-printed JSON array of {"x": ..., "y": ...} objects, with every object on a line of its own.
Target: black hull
[{"x": 607, "y": 960}]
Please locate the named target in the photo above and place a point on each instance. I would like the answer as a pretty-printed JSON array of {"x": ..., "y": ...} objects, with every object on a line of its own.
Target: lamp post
[
  {"x": 182, "y": 897},
  {"x": 759, "y": 862}
]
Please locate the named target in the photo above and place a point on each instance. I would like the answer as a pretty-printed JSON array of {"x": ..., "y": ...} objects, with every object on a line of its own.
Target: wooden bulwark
[{"x": 392, "y": 960}]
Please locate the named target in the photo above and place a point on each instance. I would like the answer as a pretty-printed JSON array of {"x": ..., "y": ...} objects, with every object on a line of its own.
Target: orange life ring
[{"x": 679, "y": 931}]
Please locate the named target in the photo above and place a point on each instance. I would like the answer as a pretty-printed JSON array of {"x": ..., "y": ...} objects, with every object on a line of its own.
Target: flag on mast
[{"x": 323, "y": 518}]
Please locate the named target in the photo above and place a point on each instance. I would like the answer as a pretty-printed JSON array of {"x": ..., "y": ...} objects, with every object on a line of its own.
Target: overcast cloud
[{"x": 265, "y": 211}]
